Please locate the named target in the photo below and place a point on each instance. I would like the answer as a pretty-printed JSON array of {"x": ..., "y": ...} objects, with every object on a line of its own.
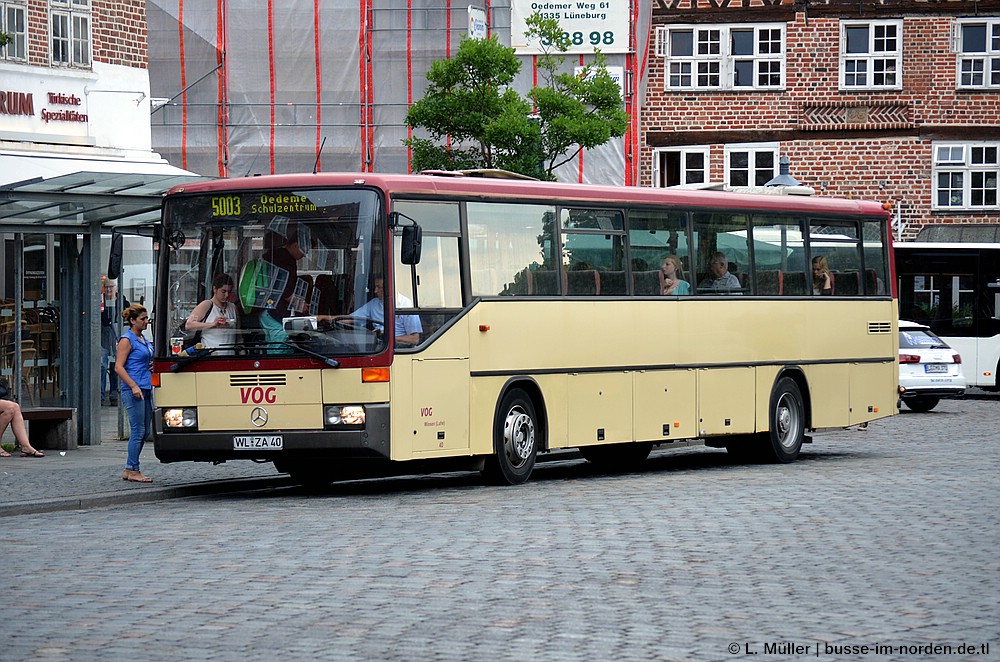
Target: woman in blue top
[
  {"x": 134, "y": 369},
  {"x": 673, "y": 276}
]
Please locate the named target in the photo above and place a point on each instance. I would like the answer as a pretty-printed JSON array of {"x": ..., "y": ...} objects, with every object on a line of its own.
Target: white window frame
[
  {"x": 712, "y": 65},
  {"x": 876, "y": 55},
  {"x": 752, "y": 149},
  {"x": 982, "y": 66},
  {"x": 700, "y": 150},
  {"x": 17, "y": 49},
  {"x": 76, "y": 14},
  {"x": 974, "y": 171}
]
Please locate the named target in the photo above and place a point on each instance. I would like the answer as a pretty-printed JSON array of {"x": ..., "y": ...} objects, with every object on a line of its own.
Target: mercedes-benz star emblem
[{"x": 258, "y": 416}]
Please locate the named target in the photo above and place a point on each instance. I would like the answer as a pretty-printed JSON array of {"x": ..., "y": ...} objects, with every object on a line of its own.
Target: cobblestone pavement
[
  {"x": 883, "y": 538},
  {"x": 90, "y": 476}
]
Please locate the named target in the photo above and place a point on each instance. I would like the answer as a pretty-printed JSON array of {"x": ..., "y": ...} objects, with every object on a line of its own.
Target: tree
[
  {"x": 476, "y": 120},
  {"x": 575, "y": 112}
]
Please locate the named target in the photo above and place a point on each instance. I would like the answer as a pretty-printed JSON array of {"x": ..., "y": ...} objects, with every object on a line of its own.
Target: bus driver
[{"x": 408, "y": 327}]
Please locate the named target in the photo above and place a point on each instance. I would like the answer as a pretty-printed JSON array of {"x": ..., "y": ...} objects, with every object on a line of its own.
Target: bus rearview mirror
[
  {"x": 115, "y": 256},
  {"x": 412, "y": 241}
]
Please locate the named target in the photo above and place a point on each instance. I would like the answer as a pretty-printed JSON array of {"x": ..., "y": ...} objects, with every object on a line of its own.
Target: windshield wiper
[
  {"x": 333, "y": 363},
  {"x": 206, "y": 351}
]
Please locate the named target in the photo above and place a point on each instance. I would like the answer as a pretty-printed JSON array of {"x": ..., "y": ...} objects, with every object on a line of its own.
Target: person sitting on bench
[{"x": 10, "y": 414}]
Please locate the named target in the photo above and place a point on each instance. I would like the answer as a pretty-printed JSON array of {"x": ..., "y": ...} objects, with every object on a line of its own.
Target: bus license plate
[
  {"x": 935, "y": 367},
  {"x": 255, "y": 442}
]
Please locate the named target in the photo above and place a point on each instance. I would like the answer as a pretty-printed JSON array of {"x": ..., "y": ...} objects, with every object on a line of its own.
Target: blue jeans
[{"x": 140, "y": 420}]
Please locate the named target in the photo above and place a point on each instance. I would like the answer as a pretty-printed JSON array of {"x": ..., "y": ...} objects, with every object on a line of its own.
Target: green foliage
[
  {"x": 4, "y": 39},
  {"x": 575, "y": 112},
  {"x": 466, "y": 100},
  {"x": 475, "y": 120}
]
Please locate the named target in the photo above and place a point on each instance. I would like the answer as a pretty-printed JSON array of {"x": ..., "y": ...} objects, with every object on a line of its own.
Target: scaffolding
[{"x": 246, "y": 87}]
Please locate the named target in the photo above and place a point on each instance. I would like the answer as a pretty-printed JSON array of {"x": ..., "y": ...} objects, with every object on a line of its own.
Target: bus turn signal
[{"x": 374, "y": 375}]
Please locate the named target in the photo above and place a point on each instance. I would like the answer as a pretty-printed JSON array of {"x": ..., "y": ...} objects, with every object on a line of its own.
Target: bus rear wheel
[
  {"x": 515, "y": 440},
  {"x": 787, "y": 418}
]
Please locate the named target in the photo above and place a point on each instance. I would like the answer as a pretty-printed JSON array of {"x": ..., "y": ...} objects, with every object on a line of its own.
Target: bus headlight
[
  {"x": 180, "y": 418},
  {"x": 344, "y": 415}
]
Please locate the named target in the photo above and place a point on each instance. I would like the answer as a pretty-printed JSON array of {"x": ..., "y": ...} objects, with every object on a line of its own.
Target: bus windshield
[{"x": 273, "y": 273}]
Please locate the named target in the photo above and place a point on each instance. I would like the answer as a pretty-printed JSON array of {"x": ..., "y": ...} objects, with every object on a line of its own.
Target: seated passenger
[
  {"x": 216, "y": 317},
  {"x": 673, "y": 276},
  {"x": 407, "y": 327},
  {"x": 719, "y": 280},
  {"x": 822, "y": 283}
]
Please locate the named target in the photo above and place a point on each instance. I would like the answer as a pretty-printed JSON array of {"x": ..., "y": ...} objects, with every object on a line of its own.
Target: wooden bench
[{"x": 51, "y": 427}]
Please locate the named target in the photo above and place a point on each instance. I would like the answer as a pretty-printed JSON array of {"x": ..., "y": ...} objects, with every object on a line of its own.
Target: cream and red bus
[{"x": 525, "y": 317}]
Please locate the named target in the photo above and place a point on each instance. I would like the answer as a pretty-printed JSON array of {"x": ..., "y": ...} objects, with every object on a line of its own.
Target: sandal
[
  {"x": 4, "y": 453},
  {"x": 136, "y": 477},
  {"x": 32, "y": 453}
]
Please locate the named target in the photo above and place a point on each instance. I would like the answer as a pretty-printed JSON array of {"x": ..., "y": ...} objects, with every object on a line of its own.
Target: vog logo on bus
[
  {"x": 426, "y": 411},
  {"x": 258, "y": 394}
]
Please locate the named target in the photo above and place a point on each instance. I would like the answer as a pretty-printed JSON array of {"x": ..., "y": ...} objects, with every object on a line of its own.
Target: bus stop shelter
[{"x": 51, "y": 337}]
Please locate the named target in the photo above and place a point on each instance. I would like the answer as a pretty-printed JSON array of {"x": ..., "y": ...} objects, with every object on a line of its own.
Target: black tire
[
  {"x": 921, "y": 404},
  {"x": 617, "y": 457},
  {"x": 744, "y": 447},
  {"x": 787, "y": 419},
  {"x": 516, "y": 434},
  {"x": 309, "y": 476}
]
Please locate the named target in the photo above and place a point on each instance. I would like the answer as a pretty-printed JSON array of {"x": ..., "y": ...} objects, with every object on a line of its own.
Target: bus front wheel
[
  {"x": 309, "y": 476},
  {"x": 787, "y": 418},
  {"x": 515, "y": 440}
]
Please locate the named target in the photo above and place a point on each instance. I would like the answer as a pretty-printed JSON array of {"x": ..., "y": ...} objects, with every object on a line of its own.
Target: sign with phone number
[{"x": 589, "y": 24}]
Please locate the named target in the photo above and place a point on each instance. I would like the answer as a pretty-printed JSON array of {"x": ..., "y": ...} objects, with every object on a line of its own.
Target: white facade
[{"x": 57, "y": 121}]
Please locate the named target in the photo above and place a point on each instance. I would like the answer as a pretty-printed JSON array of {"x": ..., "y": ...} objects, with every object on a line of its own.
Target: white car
[{"x": 928, "y": 368}]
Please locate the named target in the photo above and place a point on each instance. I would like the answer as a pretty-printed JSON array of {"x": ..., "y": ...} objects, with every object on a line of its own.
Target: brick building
[{"x": 893, "y": 100}]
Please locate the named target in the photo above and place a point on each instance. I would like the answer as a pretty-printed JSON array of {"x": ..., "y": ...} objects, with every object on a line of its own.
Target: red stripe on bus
[{"x": 249, "y": 364}]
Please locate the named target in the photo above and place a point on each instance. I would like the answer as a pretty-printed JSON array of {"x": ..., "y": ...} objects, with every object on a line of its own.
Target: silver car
[{"x": 928, "y": 368}]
